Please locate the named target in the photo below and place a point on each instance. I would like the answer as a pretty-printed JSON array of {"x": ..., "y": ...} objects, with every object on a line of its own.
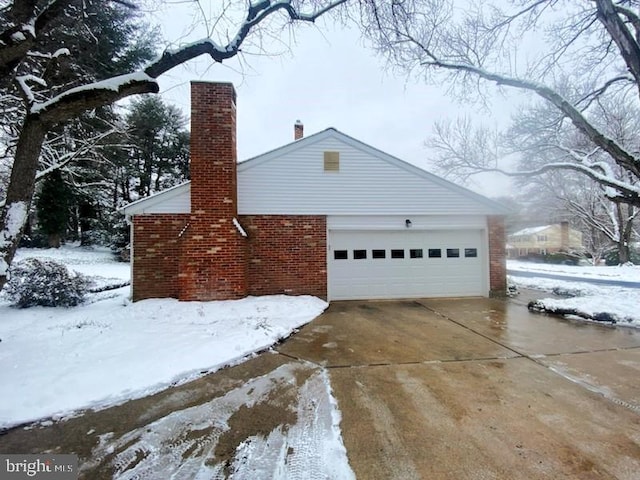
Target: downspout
[{"x": 131, "y": 255}]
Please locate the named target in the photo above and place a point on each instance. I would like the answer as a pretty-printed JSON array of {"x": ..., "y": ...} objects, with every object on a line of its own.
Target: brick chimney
[
  {"x": 298, "y": 130},
  {"x": 213, "y": 148},
  {"x": 564, "y": 236},
  {"x": 212, "y": 253}
]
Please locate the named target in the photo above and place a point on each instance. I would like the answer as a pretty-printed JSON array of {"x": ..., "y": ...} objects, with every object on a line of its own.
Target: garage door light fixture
[{"x": 407, "y": 223}]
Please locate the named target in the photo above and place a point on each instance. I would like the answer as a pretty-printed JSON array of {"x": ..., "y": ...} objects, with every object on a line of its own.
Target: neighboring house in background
[
  {"x": 325, "y": 215},
  {"x": 544, "y": 240}
]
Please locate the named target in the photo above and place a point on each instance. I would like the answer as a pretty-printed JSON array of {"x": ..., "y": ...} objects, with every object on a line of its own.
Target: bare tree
[
  {"x": 605, "y": 225},
  {"x": 28, "y": 20},
  {"x": 570, "y": 55},
  {"x": 531, "y": 142}
]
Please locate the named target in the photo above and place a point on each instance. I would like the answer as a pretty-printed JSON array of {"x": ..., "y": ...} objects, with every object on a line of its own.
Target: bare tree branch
[
  {"x": 609, "y": 145},
  {"x": 620, "y": 34}
]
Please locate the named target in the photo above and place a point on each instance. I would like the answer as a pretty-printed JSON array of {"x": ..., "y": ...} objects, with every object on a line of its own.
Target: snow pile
[
  {"x": 109, "y": 350},
  {"x": 599, "y": 308}
]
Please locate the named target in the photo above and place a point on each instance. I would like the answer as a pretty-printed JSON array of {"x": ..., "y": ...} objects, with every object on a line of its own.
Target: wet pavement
[
  {"x": 429, "y": 389},
  {"x": 559, "y": 399}
]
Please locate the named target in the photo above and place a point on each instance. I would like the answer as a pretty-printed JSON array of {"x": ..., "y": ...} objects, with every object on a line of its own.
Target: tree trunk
[
  {"x": 625, "y": 220},
  {"x": 623, "y": 252},
  {"x": 87, "y": 215},
  {"x": 54, "y": 240},
  {"x": 20, "y": 191}
]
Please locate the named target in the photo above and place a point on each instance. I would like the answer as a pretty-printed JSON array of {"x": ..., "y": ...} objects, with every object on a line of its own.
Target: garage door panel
[{"x": 356, "y": 273}]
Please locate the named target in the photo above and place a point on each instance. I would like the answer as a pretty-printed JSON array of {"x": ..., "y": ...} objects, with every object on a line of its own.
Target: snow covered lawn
[
  {"x": 626, "y": 273},
  {"x": 619, "y": 304},
  {"x": 109, "y": 350}
]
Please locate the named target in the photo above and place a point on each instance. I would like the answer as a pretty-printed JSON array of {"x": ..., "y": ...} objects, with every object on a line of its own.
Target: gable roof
[
  {"x": 174, "y": 197},
  {"x": 530, "y": 230},
  {"x": 171, "y": 200},
  {"x": 413, "y": 176}
]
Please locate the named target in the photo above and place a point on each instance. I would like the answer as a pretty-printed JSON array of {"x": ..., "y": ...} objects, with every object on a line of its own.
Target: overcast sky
[{"x": 328, "y": 78}]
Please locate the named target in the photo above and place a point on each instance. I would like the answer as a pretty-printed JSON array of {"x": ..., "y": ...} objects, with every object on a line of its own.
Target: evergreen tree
[
  {"x": 159, "y": 157},
  {"x": 125, "y": 43},
  {"x": 52, "y": 208}
]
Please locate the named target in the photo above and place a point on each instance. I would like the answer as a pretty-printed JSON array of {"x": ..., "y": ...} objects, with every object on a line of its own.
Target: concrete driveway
[
  {"x": 478, "y": 389},
  {"x": 428, "y": 389}
]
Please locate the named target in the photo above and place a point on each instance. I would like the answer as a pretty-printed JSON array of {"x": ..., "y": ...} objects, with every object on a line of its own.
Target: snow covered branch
[
  {"x": 624, "y": 191},
  {"x": 19, "y": 37},
  {"x": 76, "y": 100},
  {"x": 25, "y": 89},
  {"x": 256, "y": 13},
  {"x": 619, "y": 154}
]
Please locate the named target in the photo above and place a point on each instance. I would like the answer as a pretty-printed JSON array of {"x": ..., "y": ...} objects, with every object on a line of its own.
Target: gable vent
[{"x": 331, "y": 161}]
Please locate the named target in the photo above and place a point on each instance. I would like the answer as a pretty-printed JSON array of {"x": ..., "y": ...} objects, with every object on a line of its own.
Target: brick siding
[
  {"x": 286, "y": 254},
  {"x": 212, "y": 260},
  {"x": 156, "y": 255},
  {"x": 497, "y": 256}
]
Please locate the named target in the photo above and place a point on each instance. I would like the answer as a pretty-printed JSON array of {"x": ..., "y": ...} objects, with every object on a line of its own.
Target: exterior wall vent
[{"x": 331, "y": 161}]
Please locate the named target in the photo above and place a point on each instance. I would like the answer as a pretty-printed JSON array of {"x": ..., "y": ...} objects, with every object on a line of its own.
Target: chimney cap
[{"x": 298, "y": 122}]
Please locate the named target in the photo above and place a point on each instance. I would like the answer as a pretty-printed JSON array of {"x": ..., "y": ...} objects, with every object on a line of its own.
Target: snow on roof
[{"x": 530, "y": 231}]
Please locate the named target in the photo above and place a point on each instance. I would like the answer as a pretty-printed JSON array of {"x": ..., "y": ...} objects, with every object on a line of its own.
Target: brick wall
[
  {"x": 212, "y": 260},
  {"x": 497, "y": 256},
  {"x": 156, "y": 255},
  {"x": 286, "y": 254}
]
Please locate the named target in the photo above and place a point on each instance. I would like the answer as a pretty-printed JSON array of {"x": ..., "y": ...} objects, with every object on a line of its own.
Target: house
[
  {"x": 543, "y": 240},
  {"x": 325, "y": 215}
]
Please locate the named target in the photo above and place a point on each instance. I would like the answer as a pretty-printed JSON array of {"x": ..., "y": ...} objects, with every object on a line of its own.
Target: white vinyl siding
[
  {"x": 173, "y": 200},
  {"x": 293, "y": 181},
  {"x": 395, "y": 222}
]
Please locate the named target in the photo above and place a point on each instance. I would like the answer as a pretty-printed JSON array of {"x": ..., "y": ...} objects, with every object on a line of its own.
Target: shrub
[
  {"x": 562, "y": 258},
  {"x": 37, "y": 239},
  {"x": 612, "y": 258},
  {"x": 44, "y": 283},
  {"x": 119, "y": 236}
]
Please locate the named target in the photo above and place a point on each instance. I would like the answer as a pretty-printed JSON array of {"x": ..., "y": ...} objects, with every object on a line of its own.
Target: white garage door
[{"x": 406, "y": 264}]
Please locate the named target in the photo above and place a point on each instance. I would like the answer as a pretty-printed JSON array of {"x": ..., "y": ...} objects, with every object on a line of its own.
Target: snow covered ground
[
  {"x": 59, "y": 360},
  {"x": 97, "y": 263},
  {"x": 628, "y": 273},
  {"x": 620, "y": 303}
]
